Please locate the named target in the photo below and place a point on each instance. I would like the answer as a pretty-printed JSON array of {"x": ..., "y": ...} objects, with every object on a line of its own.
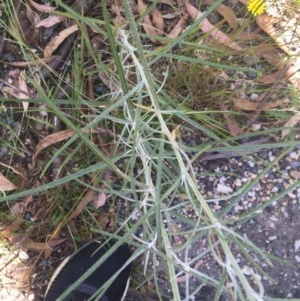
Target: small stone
[
  {"x": 251, "y": 164},
  {"x": 293, "y": 155},
  {"x": 238, "y": 182},
  {"x": 295, "y": 174},
  {"x": 297, "y": 245},
  {"x": 256, "y": 127},
  {"x": 31, "y": 297},
  {"x": 291, "y": 195},
  {"x": 251, "y": 194},
  {"x": 272, "y": 158},
  {"x": 23, "y": 255},
  {"x": 254, "y": 96},
  {"x": 224, "y": 189}
]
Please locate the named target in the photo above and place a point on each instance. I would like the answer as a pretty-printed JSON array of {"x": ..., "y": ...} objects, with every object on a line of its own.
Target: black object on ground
[{"x": 73, "y": 267}]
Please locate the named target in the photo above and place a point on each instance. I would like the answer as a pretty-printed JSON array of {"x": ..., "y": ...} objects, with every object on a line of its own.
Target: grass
[{"x": 138, "y": 159}]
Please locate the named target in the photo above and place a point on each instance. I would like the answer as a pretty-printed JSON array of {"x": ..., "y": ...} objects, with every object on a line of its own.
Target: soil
[{"x": 275, "y": 230}]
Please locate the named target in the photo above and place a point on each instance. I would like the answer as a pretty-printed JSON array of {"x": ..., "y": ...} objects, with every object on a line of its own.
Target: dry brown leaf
[
  {"x": 42, "y": 8},
  {"x": 80, "y": 207},
  {"x": 183, "y": 278},
  {"x": 19, "y": 208},
  {"x": 175, "y": 131},
  {"x": 8, "y": 231},
  {"x": 32, "y": 16},
  {"x": 147, "y": 24},
  {"x": 39, "y": 61},
  {"x": 226, "y": 12},
  {"x": 233, "y": 127},
  {"x": 111, "y": 85},
  {"x": 50, "y": 140},
  {"x": 293, "y": 73},
  {"x": 177, "y": 29},
  {"x": 290, "y": 123},
  {"x": 157, "y": 20},
  {"x": 55, "y": 42},
  {"x": 266, "y": 23},
  {"x": 242, "y": 104},
  {"x": 118, "y": 11},
  {"x": 50, "y": 21},
  {"x": 98, "y": 200},
  {"x": 246, "y": 36},
  {"x": 23, "y": 94},
  {"x": 42, "y": 246},
  {"x": 25, "y": 28},
  {"x": 269, "y": 78},
  {"x": 272, "y": 56},
  {"x": 5, "y": 184},
  {"x": 207, "y": 27},
  {"x": 269, "y": 53},
  {"x": 11, "y": 91}
]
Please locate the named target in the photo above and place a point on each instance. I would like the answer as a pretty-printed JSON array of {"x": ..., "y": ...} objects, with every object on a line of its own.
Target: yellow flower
[{"x": 256, "y": 7}]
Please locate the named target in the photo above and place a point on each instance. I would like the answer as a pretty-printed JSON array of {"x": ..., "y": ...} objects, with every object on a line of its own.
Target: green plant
[{"x": 141, "y": 158}]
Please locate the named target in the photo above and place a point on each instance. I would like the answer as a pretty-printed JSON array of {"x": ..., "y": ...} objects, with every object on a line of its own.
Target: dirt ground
[{"x": 275, "y": 230}]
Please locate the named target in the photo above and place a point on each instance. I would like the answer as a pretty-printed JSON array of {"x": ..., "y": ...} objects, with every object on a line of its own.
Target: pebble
[
  {"x": 297, "y": 245},
  {"x": 224, "y": 189},
  {"x": 294, "y": 155},
  {"x": 251, "y": 164}
]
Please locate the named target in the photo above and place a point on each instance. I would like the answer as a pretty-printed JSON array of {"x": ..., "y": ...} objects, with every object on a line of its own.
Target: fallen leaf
[
  {"x": 181, "y": 279},
  {"x": 247, "y": 36},
  {"x": 46, "y": 247},
  {"x": 207, "y": 27},
  {"x": 55, "y": 42},
  {"x": 293, "y": 73},
  {"x": 36, "y": 62},
  {"x": 18, "y": 209},
  {"x": 41, "y": 7},
  {"x": 233, "y": 127},
  {"x": 119, "y": 12},
  {"x": 80, "y": 207},
  {"x": 266, "y": 23},
  {"x": 110, "y": 84},
  {"x": 157, "y": 20},
  {"x": 23, "y": 94},
  {"x": 98, "y": 200},
  {"x": 290, "y": 123},
  {"x": 226, "y": 12},
  {"x": 8, "y": 231},
  {"x": 5, "y": 184},
  {"x": 242, "y": 104},
  {"x": 25, "y": 28},
  {"x": 175, "y": 131},
  {"x": 269, "y": 78},
  {"x": 11, "y": 91},
  {"x": 50, "y": 21},
  {"x": 50, "y": 140},
  {"x": 147, "y": 24},
  {"x": 177, "y": 29},
  {"x": 269, "y": 53}
]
